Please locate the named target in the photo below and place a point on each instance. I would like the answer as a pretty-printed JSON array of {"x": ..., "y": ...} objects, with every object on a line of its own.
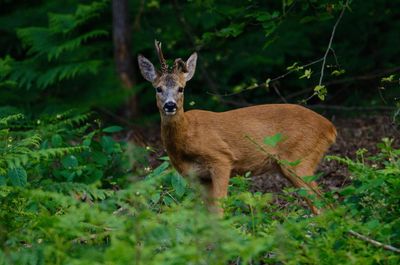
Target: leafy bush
[{"x": 67, "y": 213}]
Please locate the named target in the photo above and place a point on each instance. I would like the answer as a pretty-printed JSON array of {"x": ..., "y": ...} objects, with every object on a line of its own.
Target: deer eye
[
  {"x": 180, "y": 89},
  {"x": 159, "y": 89}
]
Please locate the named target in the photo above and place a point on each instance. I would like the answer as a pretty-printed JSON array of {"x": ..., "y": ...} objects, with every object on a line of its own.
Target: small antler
[
  {"x": 180, "y": 65},
  {"x": 164, "y": 66}
]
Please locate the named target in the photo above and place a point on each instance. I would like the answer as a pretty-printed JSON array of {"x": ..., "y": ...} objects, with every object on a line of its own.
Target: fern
[
  {"x": 80, "y": 189},
  {"x": 6, "y": 120},
  {"x": 57, "y": 52},
  {"x": 20, "y": 149},
  {"x": 72, "y": 44},
  {"x": 66, "y": 23}
]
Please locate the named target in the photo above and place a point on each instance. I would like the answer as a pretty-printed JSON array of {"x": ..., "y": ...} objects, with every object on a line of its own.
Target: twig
[
  {"x": 266, "y": 84},
  {"x": 374, "y": 242},
  {"x": 330, "y": 42},
  {"x": 323, "y": 59},
  {"x": 334, "y": 55},
  {"x": 363, "y": 77},
  {"x": 281, "y": 162},
  {"x": 275, "y": 86}
]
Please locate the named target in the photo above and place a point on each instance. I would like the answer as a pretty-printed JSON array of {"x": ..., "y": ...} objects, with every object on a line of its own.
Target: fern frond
[
  {"x": 23, "y": 156},
  {"x": 72, "y": 44},
  {"x": 67, "y": 71},
  {"x": 6, "y": 120},
  {"x": 51, "y": 153},
  {"x": 81, "y": 189},
  {"x": 66, "y": 23},
  {"x": 38, "y": 39},
  {"x": 5, "y": 66},
  {"x": 84, "y": 13}
]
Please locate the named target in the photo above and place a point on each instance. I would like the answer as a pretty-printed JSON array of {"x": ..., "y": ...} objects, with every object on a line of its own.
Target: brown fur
[{"x": 215, "y": 146}]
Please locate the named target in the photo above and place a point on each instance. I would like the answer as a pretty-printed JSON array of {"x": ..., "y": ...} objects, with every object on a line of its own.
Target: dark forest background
[{"x": 58, "y": 55}]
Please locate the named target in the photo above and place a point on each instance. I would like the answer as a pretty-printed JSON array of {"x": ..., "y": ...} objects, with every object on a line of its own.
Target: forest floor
[{"x": 353, "y": 134}]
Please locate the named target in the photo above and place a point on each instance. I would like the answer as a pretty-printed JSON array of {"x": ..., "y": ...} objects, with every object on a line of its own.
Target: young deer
[{"x": 215, "y": 146}]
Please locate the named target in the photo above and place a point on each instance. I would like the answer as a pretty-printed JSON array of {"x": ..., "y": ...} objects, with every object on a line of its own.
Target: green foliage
[
  {"x": 48, "y": 145},
  {"x": 66, "y": 49},
  {"x": 62, "y": 56},
  {"x": 273, "y": 140},
  {"x": 23, "y": 149},
  {"x": 71, "y": 193},
  {"x": 59, "y": 44},
  {"x": 161, "y": 219}
]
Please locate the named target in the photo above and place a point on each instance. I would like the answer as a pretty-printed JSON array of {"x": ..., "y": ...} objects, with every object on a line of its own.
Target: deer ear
[
  {"x": 191, "y": 66},
  {"x": 147, "y": 68}
]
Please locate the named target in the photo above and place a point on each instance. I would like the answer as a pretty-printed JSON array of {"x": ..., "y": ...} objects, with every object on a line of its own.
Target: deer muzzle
[{"x": 170, "y": 108}]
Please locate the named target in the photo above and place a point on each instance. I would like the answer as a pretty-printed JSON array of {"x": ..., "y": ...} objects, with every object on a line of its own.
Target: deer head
[{"x": 169, "y": 83}]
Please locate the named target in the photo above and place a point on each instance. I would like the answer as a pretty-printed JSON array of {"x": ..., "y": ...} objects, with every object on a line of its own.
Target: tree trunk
[{"x": 122, "y": 54}]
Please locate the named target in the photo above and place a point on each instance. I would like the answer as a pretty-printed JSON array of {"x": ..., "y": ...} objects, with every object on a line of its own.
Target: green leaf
[
  {"x": 310, "y": 178},
  {"x": 3, "y": 180},
  {"x": 107, "y": 143},
  {"x": 100, "y": 158},
  {"x": 68, "y": 175},
  {"x": 388, "y": 79},
  {"x": 164, "y": 158},
  {"x": 320, "y": 91},
  {"x": 291, "y": 163},
  {"x": 294, "y": 67},
  {"x": 347, "y": 191},
  {"x": 273, "y": 140},
  {"x": 179, "y": 184},
  {"x": 338, "y": 72},
  {"x": 112, "y": 129},
  {"x": 155, "y": 198},
  {"x": 307, "y": 74},
  {"x": 160, "y": 169},
  {"x": 168, "y": 200},
  {"x": 17, "y": 176},
  {"x": 69, "y": 161},
  {"x": 247, "y": 198},
  {"x": 303, "y": 192},
  {"x": 233, "y": 30},
  {"x": 56, "y": 140},
  {"x": 87, "y": 142}
]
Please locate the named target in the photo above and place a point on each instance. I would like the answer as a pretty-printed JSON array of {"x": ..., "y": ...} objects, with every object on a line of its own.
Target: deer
[{"x": 215, "y": 146}]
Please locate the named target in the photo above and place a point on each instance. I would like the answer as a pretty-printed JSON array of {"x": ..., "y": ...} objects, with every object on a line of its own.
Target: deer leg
[
  {"x": 217, "y": 189},
  {"x": 295, "y": 174}
]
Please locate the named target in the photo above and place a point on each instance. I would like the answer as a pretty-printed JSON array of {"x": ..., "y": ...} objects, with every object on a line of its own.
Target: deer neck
[{"x": 173, "y": 131}]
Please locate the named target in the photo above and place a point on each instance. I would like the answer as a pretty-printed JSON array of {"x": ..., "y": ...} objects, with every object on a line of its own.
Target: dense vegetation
[{"x": 74, "y": 190}]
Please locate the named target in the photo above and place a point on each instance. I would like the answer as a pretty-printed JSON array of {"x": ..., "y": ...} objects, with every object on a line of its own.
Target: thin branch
[
  {"x": 266, "y": 84},
  {"x": 275, "y": 86},
  {"x": 362, "y": 77},
  {"x": 323, "y": 59},
  {"x": 282, "y": 163},
  {"x": 330, "y": 42},
  {"x": 334, "y": 55},
  {"x": 374, "y": 242},
  {"x": 368, "y": 76},
  {"x": 295, "y": 70}
]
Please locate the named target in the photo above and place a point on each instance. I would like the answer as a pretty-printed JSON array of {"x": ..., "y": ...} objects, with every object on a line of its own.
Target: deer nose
[{"x": 170, "y": 106}]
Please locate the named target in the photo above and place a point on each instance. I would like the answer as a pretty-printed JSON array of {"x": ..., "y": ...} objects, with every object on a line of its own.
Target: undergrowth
[{"x": 68, "y": 196}]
